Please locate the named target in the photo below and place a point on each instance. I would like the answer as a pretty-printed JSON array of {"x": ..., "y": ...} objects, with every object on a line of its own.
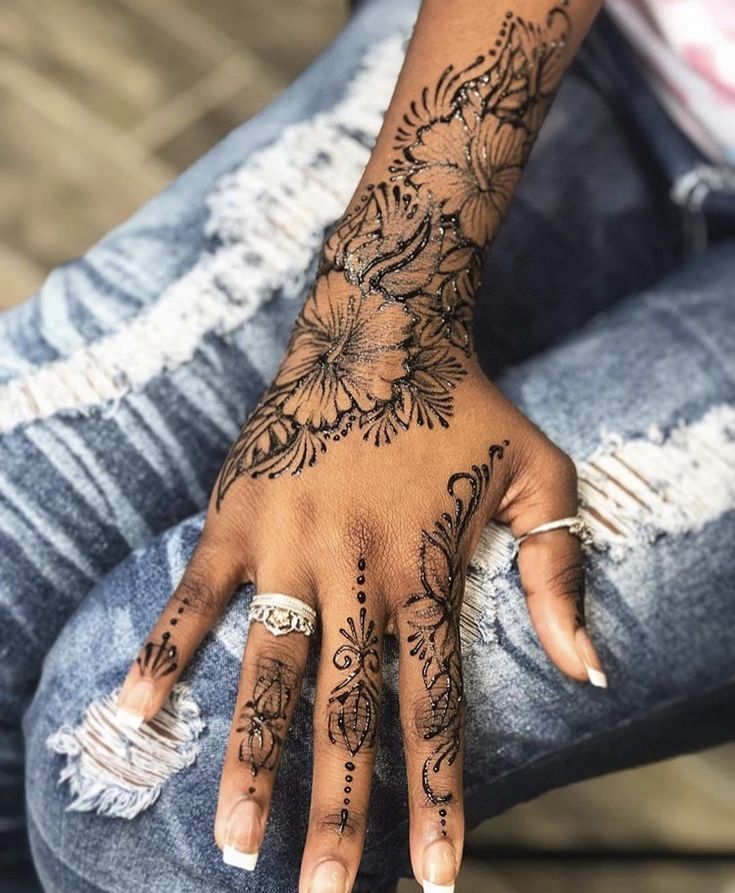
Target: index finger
[{"x": 205, "y": 588}]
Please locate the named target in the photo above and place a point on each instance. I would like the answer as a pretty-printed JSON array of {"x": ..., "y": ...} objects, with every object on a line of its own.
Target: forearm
[{"x": 475, "y": 86}]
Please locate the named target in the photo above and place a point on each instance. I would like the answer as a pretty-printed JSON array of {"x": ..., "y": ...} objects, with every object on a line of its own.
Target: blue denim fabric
[
  {"x": 592, "y": 224},
  {"x": 661, "y": 616}
]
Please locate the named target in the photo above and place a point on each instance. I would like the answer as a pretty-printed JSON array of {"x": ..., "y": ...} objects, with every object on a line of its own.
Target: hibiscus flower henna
[{"x": 385, "y": 334}]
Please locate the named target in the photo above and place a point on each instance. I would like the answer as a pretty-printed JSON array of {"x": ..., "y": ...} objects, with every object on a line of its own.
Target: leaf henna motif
[
  {"x": 262, "y": 718},
  {"x": 385, "y": 333},
  {"x": 433, "y": 617}
]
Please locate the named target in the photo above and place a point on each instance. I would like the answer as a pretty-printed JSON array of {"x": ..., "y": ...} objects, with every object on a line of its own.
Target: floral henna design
[
  {"x": 433, "y": 618},
  {"x": 384, "y": 336}
]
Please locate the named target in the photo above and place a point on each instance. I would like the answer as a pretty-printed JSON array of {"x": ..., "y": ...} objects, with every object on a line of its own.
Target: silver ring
[
  {"x": 282, "y": 614},
  {"x": 577, "y": 526}
]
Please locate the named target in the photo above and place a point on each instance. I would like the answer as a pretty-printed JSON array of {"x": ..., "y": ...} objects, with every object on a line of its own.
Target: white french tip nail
[
  {"x": 247, "y": 861},
  {"x": 430, "y": 887},
  {"x": 128, "y": 719},
  {"x": 596, "y": 677}
]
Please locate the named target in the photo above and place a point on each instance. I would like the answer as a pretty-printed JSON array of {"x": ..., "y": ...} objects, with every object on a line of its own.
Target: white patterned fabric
[{"x": 688, "y": 50}]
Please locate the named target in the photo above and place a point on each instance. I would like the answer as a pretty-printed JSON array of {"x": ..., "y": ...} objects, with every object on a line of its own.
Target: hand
[
  {"x": 371, "y": 517},
  {"x": 363, "y": 479}
]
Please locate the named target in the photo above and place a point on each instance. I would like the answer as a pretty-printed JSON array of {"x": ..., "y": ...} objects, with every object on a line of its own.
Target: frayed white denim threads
[
  {"x": 631, "y": 493},
  {"x": 268, "y": 219},
  {"x": 485, "y": 577},
  {"x": 117, "y": 772}
]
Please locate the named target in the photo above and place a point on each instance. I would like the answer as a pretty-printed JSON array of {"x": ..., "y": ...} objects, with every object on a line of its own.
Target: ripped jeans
[{"x": 124, "y": 380}]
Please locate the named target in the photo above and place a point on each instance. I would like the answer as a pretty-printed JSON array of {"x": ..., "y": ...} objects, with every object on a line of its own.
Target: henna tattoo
[
  {"x": 355, "y": 701},
  {"x": 158, "y": 659},
  {"x": 353, "y": 721},
  {"x": 263, "y": 718},
  {"x": 433, "y": 617},
  {"x": 384, "y": 336}
]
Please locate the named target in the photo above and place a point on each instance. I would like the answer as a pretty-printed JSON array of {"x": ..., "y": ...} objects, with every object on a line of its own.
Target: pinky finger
[{"x": 552, "y": 574}]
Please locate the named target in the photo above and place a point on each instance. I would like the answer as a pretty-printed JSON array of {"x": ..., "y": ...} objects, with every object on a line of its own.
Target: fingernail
[
  {"x": 440, "y": 867},
  {"x": 589, "y": 658},
  {"x": 329, "y": 877},
  {"x": 243, "y": 835},
  {"x": 133, "y": 704}
]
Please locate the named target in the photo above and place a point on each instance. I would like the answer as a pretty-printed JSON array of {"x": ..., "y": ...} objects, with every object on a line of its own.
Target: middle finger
[{"x": 346, "y": 715}]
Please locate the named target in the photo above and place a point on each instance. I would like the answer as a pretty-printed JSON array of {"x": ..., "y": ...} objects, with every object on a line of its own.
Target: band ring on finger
[
  {"x": 282, "y": 614},
  {"x": 576, "y": 525}
]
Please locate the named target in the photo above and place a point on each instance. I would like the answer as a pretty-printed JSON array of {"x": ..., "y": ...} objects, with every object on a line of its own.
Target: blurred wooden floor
[{"x": 103, "y": 102}]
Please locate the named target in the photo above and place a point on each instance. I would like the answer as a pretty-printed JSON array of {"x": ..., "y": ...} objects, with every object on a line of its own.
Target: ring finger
[
  {"x": 270, "y": 680},
  {"x": 432, "y": 719}
]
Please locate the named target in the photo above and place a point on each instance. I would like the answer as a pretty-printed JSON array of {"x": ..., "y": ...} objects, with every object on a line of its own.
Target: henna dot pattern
[
  {"x": 384, "y": 337},
  {"x": 158, "y": 659}
]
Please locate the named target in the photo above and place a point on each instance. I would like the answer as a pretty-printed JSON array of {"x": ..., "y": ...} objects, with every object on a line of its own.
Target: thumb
[{"x": 550, "y": 563}]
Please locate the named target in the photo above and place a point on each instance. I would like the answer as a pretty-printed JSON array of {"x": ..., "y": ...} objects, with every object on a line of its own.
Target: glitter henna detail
[
  {"x": 432, "y": 615},
  {"x": 355, "y": 700},
  {"x": 385, "y": 335}
]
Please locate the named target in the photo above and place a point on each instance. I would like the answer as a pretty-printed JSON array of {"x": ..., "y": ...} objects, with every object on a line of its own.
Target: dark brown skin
[{"x": 363, "y": 480}]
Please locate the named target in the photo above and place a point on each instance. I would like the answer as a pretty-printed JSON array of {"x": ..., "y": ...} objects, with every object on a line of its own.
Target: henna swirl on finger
[
  {"x": 432, "y": 614},
  {"x": 356, "y": 699}
]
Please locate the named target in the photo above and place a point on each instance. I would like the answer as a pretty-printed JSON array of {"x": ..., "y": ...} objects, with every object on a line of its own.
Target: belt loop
[{"x": 689, "y": 192}]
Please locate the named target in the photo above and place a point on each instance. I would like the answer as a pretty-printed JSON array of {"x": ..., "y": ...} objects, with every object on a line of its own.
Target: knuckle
[
  {"x": 350, "y": 724},
  {"x": 336, "y": 818},
  {"x": 563, "y": 467},
  {"x": 554, "y": 460},
  {"x": 360, "y": 535},
  {"x": 420, "y": 727},
  {"x": 277, "y": 663},
  {"x": 197, "y": 592},
  {"x": 559, "y": 465},
  {"x": 566, "y": 581},
  {"x": 306, "y": 513}
]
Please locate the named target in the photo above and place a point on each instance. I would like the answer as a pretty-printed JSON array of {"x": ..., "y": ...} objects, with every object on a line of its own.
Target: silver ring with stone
[
  {"x": 282, "y": 614},
  {"x": 576, "y": 525}
]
